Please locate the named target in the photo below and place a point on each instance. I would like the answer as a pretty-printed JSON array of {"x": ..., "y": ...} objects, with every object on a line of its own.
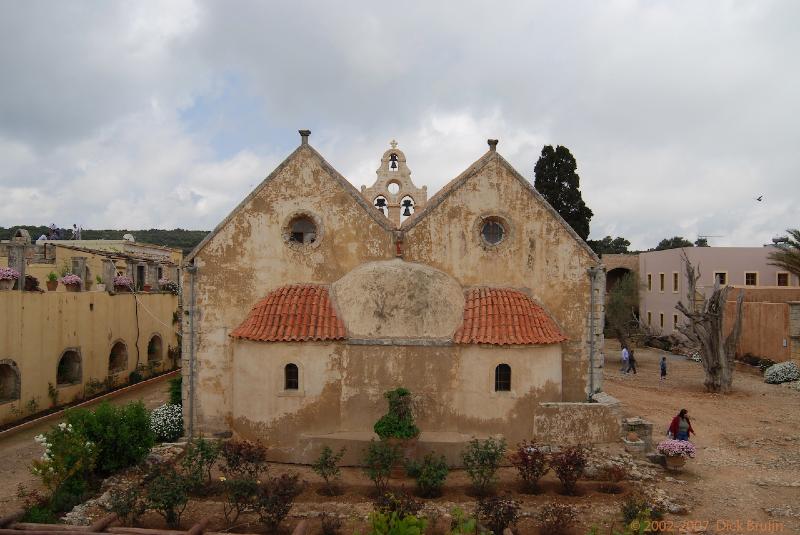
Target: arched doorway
[
  {"x": 118, "y": 358},
  {"x": 69, "y": 368}
]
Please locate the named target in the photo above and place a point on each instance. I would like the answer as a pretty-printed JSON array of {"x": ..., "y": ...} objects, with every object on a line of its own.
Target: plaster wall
[
  {"x": 249, "y": 256},
  {"x": 37, "y": 328},
  {"x": 342, "y": 385},
  {"x": 538, "y": 255}
]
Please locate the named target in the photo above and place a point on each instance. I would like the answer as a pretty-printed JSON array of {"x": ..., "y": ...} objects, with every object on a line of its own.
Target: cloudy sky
[{"x": 166, "y": 114}]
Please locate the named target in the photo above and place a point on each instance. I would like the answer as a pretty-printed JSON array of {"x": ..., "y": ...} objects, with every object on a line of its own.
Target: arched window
[
  {"x": 69, "y": 368},
  {"x": 291, "y": 377},
  {"x": 9, "y": 381},
  {"x": 155, "y": 351},
  {"x": 380, "y": 204},
  {"x": 502, "y": 378},
  {"x": 118, "y": 358},
  {"x": 393, "y": 162},
  {"x": 406, "y": 207}
]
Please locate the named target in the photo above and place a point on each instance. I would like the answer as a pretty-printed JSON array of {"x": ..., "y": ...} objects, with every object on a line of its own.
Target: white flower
[{"x": 40, "y": 439}]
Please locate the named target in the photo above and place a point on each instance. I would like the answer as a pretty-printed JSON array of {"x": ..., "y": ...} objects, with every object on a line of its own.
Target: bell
[
  {"x": 407, "y": 211},
  {"x": 393, "y": 165}
]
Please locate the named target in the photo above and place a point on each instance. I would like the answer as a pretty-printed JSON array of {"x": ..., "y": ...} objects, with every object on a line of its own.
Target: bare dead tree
[{"x": 706, "y": 317}]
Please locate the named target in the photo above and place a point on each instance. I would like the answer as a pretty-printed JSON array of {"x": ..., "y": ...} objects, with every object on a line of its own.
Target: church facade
[{"x": 311, "y": 299}]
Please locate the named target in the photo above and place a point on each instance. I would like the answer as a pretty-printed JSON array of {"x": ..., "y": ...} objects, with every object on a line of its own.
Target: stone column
[
  {"x": 109, "y": 272},
  {"x": 16, "y": 260},
  {"x": 79, "y": 269},
  {"x": 151, "y": 275}
]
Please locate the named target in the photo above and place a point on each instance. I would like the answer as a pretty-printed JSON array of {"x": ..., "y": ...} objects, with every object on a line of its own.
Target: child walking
[{"x": 663, "y": 368}]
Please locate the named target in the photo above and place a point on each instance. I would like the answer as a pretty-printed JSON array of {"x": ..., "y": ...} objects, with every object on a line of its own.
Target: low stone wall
[{"x": 579, "y": 423}]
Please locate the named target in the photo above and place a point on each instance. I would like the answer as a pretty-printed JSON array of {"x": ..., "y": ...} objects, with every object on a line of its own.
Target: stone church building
[{"x": 311, "y": 299}]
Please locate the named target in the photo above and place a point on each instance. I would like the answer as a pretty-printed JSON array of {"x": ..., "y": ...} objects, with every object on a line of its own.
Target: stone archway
[
  {"x": 69, "y": 368},
  {"x": 118, "y": 358},
  {"x": 9, "y": 381}
]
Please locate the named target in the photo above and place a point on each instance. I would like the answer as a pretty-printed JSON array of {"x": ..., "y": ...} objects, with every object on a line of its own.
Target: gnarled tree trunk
[{"x": 704, "y": 328}]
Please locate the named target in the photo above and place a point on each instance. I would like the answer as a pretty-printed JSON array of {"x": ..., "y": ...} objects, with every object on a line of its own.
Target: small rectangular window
[
  {"x": 661, "y": 320},
  {"x": 783, "y": 279},
  {"x": 502, "y": 378},
  {"x": 751, "y": 278},
  {"x": 721, "y": 278},
  {"x": 649, "y": 318},
  {"x": 675, "y": 281},
  {"x": 674, "y": 321},
  {"x": 661, "y": 277},
  {"x": 649, "y": 282}
]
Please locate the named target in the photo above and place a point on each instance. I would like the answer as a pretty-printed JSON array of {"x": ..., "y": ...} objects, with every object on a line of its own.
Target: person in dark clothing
[
  {"x": 631, "y": 362},
  {"x": 663, "y": 368}
]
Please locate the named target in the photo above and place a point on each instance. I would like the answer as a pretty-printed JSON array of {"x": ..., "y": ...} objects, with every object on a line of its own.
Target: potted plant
[
  {"x": 676, "y": 452},
  {"x": 52, "y": 282},
  {"x": 397, "y": 427},
  {"x": 71, "y": 282},
  {"x": 167, "y": 285},
  {"x": 100, "y": 286},
  {"x": 8, "y": 276},
  {"x": 123, "y": 283}
]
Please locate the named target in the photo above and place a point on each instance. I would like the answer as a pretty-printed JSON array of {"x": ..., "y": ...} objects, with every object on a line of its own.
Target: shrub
[
  {"x": 240, "y": 496},
  {"x": 401, "y": 503},
  {"x": 66, "y": 465},
  {"x": 242, "y": 459},
  {"x": 556, "y": 518},
  {"x": 135, "y": 377},
  {"x": 393, "y": 524},
  {"x": 398, "y": 422},
  {"x": 327, "y": 467},
  {"x": 93, "y": 386},
  {"x": 498, "y": 513},
  {"x": 52, "y": 393},
  {"x": 462, "y": 523},
  {"x": 197, "y": 462},
  {"x": 175, "y": 385},
  {"x": 481, "y": 460},
  {"x": 275, "y": 499},
  {"x": 129, "y": 505},
  {"x": 378, "y": 461},
  {"x": 637, "y": 506},
  {"x": 121, "y": 433},
  {"x": 166, "y": 495},
  {"x": 568, "y": 465},
  {"x": 430, "y": 475},
  {"x": 166, "y": 422},
  {"x": 782, "y": 373},
  {"x": 613, "y": 474},
  {"x": 531, "y": 463},
  {"x": 36, "y": 507},
  {"x": 331, "y": 524}
]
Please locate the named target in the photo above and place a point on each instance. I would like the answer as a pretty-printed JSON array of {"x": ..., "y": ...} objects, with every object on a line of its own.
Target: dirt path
[
  {"x": 748, "y": 462},
  {"x": 19, "y": 449}
]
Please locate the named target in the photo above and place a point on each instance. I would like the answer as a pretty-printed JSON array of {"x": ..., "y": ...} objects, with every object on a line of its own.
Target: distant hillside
[{"x": 177, "y": 238}]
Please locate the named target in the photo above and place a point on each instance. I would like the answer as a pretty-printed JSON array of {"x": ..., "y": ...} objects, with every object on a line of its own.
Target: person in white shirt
[{"x": 625, "y": 357}]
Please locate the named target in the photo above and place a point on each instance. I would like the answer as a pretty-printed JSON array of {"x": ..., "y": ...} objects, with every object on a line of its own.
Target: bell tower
[{"x": 393, "y": 193}]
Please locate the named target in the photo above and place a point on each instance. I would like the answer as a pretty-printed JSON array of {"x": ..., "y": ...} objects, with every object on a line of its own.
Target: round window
[
  {"x": 493, "y": 231},
  {"x": 302, "y": 230}
]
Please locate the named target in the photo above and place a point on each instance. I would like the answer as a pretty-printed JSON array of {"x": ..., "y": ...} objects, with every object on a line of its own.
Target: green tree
[
  {"x": 675, "y": 242},
  {"x": 609, "y": 245},
  {"x": 559, "y": 184},
  {"x": 788, "y": 254},
  {"x": 701, "y": 242},
  {"x": 622, "y": 305}
]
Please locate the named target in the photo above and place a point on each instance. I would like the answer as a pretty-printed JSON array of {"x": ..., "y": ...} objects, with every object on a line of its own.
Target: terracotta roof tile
[
  {"x": 505, "y": 317},
  {"x": 299, "y": 312}
]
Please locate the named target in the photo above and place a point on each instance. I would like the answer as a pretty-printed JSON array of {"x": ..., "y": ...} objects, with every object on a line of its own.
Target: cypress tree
[{"x": 559, "y": 184}]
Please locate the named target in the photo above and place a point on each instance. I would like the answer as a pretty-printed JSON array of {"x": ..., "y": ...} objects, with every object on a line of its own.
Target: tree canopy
[
  {"x": 609, "y": 245},
  {"x": 701, "y": 242},
  {"x": 559, "y": 184},
  {"x": 675, "y": 242},
  {"x": 788, "y": 254}
]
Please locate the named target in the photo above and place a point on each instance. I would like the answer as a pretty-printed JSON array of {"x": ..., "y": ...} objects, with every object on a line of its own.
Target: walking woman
[{"x": 681, "y": 427}]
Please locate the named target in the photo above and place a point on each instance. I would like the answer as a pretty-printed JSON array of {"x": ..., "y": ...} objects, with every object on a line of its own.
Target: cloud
[{"x": 679, "y": 114}]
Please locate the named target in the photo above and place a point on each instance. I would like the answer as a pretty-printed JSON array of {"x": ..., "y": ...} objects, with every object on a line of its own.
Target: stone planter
[
  {"x": 6, "y": 284},
  {"x": 52, "y": 286},
  {"x": 100, "y": 287},
  {"x": 408, "y": 451},
  {"x": 73, "y": 287},
  {"x": 636, "y": 447},
  {"x": 675, "y": 462}
]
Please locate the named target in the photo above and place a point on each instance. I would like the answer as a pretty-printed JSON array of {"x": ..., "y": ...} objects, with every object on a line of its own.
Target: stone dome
[{"x": 400, "y": 300}]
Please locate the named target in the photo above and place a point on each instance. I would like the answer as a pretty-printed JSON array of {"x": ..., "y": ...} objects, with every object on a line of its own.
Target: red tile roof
[
  {"x": 505, "y": 317},
  {"x": 300, "y": 312}
]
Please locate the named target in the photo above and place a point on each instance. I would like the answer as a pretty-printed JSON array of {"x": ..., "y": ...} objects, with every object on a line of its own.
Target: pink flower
[
  {"x": 70, "y": 280},
  {"x": 676, "y": 448},
  {"x": 7, "y": 273}
]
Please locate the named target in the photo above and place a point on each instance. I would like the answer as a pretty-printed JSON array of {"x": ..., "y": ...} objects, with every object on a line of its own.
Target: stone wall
[{"x": 579, "y": 423}]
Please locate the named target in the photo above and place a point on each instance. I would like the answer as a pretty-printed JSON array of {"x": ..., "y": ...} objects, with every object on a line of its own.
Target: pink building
[{"x": 663, "y": 278}]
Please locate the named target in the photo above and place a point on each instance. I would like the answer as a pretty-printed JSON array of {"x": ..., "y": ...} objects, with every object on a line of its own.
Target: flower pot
[
  {"x": 6, "y": 284},
  {"x": 675, "y": 462},
  {"x": 147, "y": 288},
  {"x": 122, "y": 289},
  {"x": 100, "y": 287},
  {"x": 408, "y": 451},
  {"x": 73, "y": 287},
  {"x": 52, "y": 286}
]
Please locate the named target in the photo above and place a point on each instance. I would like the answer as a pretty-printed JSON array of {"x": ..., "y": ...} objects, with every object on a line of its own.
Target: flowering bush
[
  {"x": 123, "y": 280},
  {"x": 71, "y": 280},
  {"x": 676, "y": 448},
  {"x": 531, "y": 462},
  {"x": 782, "y": 373},
  {"x": 66, "y": 464},
  {"x": 7, "y": 273},
  {"x": 498, "y": 513},
  {"x": 166, "y": 422},
  {"x": 568, "y": 465},
  {"x": 168, "y": 286},
  {"x": 556, "y": 518}
]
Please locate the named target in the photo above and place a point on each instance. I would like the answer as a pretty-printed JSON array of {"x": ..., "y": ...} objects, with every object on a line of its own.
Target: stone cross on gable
[{"x": 393, "y": 143}]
